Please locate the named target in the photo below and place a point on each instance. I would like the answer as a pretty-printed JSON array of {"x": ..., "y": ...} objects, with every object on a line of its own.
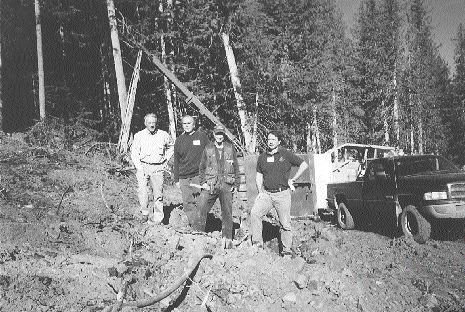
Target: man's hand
[
  {"x": 205, "y": 186},
  {"x": 178, "y": 185}
]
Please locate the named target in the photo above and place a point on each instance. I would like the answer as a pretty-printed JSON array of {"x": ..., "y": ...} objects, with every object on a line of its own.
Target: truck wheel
[
  {"x": 344, "y": 218},
  {"x": 415, "y": 225}
]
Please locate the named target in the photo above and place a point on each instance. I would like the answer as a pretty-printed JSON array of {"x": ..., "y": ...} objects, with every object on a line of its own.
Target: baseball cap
[{"x": 218, "y": 129}]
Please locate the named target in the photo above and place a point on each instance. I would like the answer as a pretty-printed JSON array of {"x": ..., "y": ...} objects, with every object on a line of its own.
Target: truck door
[{"x": 379, "y": 192}]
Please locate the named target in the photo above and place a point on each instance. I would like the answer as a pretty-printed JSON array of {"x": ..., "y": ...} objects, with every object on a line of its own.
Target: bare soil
[{"x": 70, "y": 238}]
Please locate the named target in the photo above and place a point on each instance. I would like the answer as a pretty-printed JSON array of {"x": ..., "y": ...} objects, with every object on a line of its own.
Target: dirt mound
[{"x": 70, "y": 241}]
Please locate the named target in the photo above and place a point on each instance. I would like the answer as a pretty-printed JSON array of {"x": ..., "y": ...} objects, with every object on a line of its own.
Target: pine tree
[
  {"x": 427, "y": 80},
  {"x": 456, "y": 112},
  {"x": 376, "y": 62}
]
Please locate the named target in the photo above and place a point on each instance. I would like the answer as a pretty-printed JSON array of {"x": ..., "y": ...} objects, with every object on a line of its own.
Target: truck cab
[{"x": 408, "y": 191}]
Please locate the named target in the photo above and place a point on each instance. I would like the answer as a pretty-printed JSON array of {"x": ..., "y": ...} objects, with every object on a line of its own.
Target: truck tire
[
  {"x": 415, "y": 225},
  {"x": 344, "y": 218}
]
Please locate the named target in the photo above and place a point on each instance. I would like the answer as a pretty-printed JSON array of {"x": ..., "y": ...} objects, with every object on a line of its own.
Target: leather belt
[
  {"x": 276, "y": 190},
  {"x": 147, "y": 163}
]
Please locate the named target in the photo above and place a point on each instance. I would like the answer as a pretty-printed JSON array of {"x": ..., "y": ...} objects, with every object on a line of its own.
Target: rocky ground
[{"x": 69, "y": 241}]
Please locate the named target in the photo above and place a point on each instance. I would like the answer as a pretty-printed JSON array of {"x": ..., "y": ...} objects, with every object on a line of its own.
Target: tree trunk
[
  {"x": 120, "y": 80},
  {"x": 168, "y": 93},
  {"x": 385, "y": 122},
  {"x": 174, "y": 93},
  {"x": 308, "y": 137},
  {"x": 316, "y": 144},
  {"x": 334, "y": 125},
  {"x": 126, "y": 123},
  {"x": 106, "y": 110},
  {"x": 420, "y": 135},
  {"x": 166, "y": 82},
  {"x": 1, "y": 97},
  {"x": 64, "y": 108},
  {"x": 412, "y": 127},
  {"x": 40, "y": 61},
  {"x": 253, "y": 145},
  {"x": 236, "y": 83},
  {"x": 395, "y": 110}
]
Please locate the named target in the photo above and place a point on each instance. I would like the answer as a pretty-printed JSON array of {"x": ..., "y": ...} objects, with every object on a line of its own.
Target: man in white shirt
[{"x": 151, "y": 150}]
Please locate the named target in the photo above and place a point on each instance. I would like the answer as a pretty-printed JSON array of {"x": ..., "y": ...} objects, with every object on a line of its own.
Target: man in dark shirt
[
  {"x": 219, "y": 177},
  {"x": 273, "y": 183},
  {"x": 187, "y": 152}
]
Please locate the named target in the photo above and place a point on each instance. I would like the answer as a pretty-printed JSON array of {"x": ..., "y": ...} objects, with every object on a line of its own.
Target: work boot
[
  {"x": 157, "y": 218},
  {"x": 287, "y": 254},
  {"x": 227, "y": 243},
  {"x": 259, "y": 245}
]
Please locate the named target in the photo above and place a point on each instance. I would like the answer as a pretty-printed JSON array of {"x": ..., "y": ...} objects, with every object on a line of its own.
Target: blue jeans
[
  {"x": 206, "y": 201},
  {"x": 281, "y": 202}
]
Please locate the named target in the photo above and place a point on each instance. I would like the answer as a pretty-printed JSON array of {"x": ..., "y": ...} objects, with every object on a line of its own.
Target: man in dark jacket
[
  {"x": 219, "y": 177},
  {"x": 187, "y": 152}
]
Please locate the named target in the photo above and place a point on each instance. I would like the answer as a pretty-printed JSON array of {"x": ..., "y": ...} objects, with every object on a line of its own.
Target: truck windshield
[{"x": 422, "y": 164}]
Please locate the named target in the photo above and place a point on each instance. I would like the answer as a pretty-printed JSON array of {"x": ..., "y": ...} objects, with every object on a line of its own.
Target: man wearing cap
[
  {"x": 187, "y": 153},
  {"x": 219, "y": 177},
  {"x": 150, "y": 152},
  {"x": 273, "y": 183}
]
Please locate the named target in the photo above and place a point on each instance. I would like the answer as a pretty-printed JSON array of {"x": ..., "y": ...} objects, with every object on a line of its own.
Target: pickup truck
[{"x": 410, "y": 192}]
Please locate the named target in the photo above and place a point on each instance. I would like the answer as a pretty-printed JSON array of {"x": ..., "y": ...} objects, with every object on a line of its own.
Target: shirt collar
[
  {"x": 277, "y": 151},
  {"x": 149, "y": 133}
]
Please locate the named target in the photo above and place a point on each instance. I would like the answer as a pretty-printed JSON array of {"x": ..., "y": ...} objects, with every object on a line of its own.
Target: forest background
[{"x": 298, "y": 70}]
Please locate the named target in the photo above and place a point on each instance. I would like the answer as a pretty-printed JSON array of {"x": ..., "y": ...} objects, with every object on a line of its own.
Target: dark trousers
[
  {"x": 205, "y": 204},
  {"x": 190, "y": 196}
]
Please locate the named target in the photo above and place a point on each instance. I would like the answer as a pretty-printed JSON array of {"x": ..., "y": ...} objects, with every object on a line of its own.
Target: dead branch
[
  {"x": 121, "y": 295},
  {"x": 191, "y": 266},
  {"x": 62, "y": 197},
  {"x": 91, "y": 147},
  {"x": 103, "y": 197},
  {"x": 191, "y": 232}
]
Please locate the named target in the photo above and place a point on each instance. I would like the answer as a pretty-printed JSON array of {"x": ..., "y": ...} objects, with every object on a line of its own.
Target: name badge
[
  {"x": 196, "y": 142},
  {"x": 270, "y": 159}
]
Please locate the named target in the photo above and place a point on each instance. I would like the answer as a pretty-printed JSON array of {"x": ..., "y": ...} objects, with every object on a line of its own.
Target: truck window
[
  {"x": 380, "y": 170},
  {"x": 415, "y": 165}
]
